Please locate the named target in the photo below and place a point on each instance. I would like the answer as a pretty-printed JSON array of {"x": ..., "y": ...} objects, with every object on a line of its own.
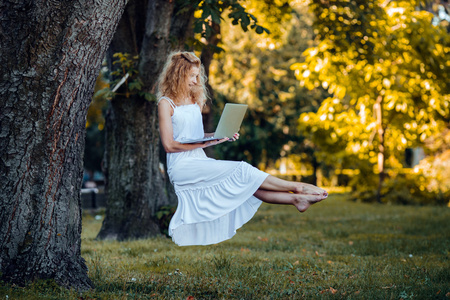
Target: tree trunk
[
  {"x": 135, "y": 180},
  {"x": 51, "y": 53},
  {"x": 380, "y": 131},
  {"x": 181, "y": 29},
  {"x": 206, "y": 58},
  {"x": 316, "y": 169}
]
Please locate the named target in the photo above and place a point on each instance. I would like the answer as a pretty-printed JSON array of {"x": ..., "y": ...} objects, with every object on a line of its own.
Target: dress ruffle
[{"x": 210, "y": 212}]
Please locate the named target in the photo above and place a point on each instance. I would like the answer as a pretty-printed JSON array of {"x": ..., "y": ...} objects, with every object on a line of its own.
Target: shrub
[
  {"x": 164, "y": 215},
  {"x": 427, "y": 184}
]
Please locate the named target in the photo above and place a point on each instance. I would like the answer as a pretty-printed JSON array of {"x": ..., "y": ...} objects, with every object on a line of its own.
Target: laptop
[{"x": 229, "y": 123}]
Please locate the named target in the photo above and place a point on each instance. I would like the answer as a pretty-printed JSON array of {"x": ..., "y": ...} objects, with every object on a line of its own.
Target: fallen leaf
[
  {"x": 296, "y": 262},
  {"x": 190, "y": 298},
  {"x": 317, "y": 254},
  {"x": 350, "y": 243},
  {"x": 333, "y": 291},
  {"x": 388, "y": 287},
  {"x": 447, "y": 295}
]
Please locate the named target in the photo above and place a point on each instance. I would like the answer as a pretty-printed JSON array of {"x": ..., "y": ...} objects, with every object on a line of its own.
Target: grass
[{"x": 336, "y": 250}]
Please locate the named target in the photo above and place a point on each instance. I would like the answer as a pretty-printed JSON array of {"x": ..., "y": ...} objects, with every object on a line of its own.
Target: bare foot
[
  {"x": 303, "y": 202},
  {"x": 309, "y": 189}
]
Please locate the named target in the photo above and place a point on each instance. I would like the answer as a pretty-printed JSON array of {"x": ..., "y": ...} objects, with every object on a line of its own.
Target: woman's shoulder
[
  {"x": 165, "y": 106},
  {"x": 167, "y": 100}
]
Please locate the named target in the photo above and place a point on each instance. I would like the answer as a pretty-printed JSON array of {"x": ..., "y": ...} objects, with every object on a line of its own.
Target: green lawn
[{"x": 336, "y": 250}]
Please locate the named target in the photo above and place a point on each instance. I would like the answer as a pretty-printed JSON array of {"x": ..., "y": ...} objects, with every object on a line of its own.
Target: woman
[{"x": 215, "y": 197}]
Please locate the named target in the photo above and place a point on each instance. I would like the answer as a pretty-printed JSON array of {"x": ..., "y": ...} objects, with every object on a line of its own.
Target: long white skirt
[{"x": 215, "y": 198}]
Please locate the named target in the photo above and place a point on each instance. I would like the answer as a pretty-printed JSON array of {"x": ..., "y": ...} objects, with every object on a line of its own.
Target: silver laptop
[{"x": 229, "y": 123}]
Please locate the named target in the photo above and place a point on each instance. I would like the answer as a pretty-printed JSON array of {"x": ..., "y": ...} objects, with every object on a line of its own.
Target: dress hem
[{"x": 216, "y": 230}]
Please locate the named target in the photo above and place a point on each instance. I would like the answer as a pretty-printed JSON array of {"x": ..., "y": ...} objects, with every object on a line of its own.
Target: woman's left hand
[{"x": 234, "y": 138}]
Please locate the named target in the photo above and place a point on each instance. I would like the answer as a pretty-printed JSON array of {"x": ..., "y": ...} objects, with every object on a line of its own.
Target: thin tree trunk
[
  {"x": 206, "y": 58},
  {"x": 181, "y": 29},
  {"x": 381, "y": 157},
  {"x": 51, "y": 53},
  {"x": 316, "y": 169}
]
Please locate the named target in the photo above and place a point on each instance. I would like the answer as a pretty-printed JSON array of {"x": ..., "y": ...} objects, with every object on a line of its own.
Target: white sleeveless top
[{"x": 187, "y": 123}]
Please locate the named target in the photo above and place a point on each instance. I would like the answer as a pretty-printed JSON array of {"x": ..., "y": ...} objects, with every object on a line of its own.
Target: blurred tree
[
  {"x": 50, "y": 55},
  {"x": 256, "y": 70},
  {"x": 387, "y": 68}
]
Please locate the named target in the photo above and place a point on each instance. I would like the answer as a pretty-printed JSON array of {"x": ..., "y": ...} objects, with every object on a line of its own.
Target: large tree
[{"x": 51, "y": 53}]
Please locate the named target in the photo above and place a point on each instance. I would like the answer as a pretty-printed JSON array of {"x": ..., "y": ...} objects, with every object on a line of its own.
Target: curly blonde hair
[{"x": 172, "y": 81}]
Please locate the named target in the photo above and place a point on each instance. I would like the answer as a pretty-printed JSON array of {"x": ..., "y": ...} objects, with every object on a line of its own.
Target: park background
[
  {"x": 350, "y": 95},
  {"x": 339, "y": 95}
]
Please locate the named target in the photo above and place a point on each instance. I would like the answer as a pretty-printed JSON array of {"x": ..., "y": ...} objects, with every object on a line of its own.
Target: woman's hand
[
  {"x": 214, "y": 142},
  {"x": 235, "y": 137}
]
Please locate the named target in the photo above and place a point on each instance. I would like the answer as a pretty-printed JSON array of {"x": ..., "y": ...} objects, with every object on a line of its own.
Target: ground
[{"x": 337, "y": 249}]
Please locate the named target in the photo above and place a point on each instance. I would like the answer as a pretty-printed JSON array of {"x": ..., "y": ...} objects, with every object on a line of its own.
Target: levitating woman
[{"x": 215, "y": 197}]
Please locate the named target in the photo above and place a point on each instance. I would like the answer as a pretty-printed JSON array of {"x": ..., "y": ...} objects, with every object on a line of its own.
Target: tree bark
[
  {"x": 136, "y": 186},
  {"x": 51, "y": 53},
  {"x": 134, "y": 183}
]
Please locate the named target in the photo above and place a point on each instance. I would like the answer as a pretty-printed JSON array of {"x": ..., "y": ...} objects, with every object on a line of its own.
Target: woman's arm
[{"x": 165, "y": 112}]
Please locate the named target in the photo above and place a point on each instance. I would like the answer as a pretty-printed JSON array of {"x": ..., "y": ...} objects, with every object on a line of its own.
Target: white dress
[{"x": 215, "y": 197}]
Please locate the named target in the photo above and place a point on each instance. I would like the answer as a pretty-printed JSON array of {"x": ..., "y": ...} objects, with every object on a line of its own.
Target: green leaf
[
  {"x": 135, "y": 85},
  {"x": 215, "y": 16},
  {"x": 206, "y": 13},
  {"x": 148, "y": 96},
  {"x": 105, "y": 93},
  {"x": 245, "y": 21},
  {"x": 198, "y": 26}
]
